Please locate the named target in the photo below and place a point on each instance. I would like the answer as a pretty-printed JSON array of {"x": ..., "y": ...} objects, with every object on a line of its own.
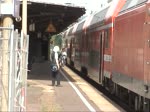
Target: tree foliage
[{"x": 56, "y": 40}]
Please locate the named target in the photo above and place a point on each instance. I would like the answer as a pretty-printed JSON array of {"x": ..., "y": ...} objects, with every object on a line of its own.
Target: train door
[
  {"x": 147, "y": 46},
  {"x": 101, "y": 56}
]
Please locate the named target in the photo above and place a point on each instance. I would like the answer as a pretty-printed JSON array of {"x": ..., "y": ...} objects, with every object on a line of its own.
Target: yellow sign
[{"x": 51, "y": 28}]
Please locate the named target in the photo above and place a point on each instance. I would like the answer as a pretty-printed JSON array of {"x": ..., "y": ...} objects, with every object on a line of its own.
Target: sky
[{"x": 90, "y": 5}]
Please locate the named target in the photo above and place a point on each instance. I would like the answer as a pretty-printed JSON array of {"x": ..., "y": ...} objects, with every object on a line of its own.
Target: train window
[
  {"x": 107, "y": 35},
  {"x": 132, "y": 3}
]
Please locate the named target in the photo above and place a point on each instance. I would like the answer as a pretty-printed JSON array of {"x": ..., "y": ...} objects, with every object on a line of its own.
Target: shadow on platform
[{"x": 41, "y": 71}]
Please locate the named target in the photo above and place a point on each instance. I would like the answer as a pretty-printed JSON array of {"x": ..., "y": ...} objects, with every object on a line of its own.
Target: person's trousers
[{"x": 55, "y": 77}]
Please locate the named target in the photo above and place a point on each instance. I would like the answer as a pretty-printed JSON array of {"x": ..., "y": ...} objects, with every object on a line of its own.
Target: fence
[{"x": 17, "y": 69}]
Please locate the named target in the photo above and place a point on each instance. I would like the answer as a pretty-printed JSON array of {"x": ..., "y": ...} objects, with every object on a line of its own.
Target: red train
[{"x": 112, "y": 47}]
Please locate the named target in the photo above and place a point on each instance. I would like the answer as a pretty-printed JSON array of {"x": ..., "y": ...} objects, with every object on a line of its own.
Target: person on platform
[
  {"x": 63, "y": 57},
  {"x": 55, "y": 66}
]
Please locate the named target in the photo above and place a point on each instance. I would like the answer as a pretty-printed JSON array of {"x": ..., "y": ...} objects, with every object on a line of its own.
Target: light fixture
[{"x": 51, "y": 27}]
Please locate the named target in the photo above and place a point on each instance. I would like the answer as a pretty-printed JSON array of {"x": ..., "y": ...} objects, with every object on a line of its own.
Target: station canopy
[{"x": 50, "y": 17}]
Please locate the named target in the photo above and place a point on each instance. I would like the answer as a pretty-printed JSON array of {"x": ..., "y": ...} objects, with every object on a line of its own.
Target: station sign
[{"x": 10, "y": 8}]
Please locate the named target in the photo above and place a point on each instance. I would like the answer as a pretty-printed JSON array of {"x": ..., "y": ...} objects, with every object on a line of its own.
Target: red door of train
[
  {"x": 101, "y": 56},
  {"x": 147, "y": 46}
]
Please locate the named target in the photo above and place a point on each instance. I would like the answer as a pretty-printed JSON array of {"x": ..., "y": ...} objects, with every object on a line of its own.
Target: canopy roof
[{"x": 45, "y": 14}]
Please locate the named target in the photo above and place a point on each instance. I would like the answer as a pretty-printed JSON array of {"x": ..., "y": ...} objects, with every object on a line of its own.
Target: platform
[{"x": 74, "y": 94}]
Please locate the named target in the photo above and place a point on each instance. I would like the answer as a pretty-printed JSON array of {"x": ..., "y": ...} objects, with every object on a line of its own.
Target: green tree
[{"x": 56, "y": 40}]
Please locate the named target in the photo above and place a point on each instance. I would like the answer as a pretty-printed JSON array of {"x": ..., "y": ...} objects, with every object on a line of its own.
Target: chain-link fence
[{"x": 17, "y": 59}]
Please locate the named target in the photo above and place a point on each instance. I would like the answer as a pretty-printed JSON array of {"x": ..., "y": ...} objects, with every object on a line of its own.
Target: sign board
[{"x": 10, "y": 8}]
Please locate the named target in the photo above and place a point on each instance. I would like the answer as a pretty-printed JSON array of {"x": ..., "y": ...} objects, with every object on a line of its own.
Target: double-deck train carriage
[
  {"x": 69, "y": 44},
  {"x": 91, "y": 43},
  {"x": 66, "y": 41},
  {"x": 79, "y": 46},
  {"x": 131, "y": 52},
  {"x": 90, "y": 46},
  {"x": 114, "y": 49},
  {"x": 73, "y": 45}
]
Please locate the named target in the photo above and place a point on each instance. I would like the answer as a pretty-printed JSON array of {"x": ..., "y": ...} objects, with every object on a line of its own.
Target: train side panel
[
  {"x": 78, "y": 45},
  {"x": 128, "y": 50}
]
